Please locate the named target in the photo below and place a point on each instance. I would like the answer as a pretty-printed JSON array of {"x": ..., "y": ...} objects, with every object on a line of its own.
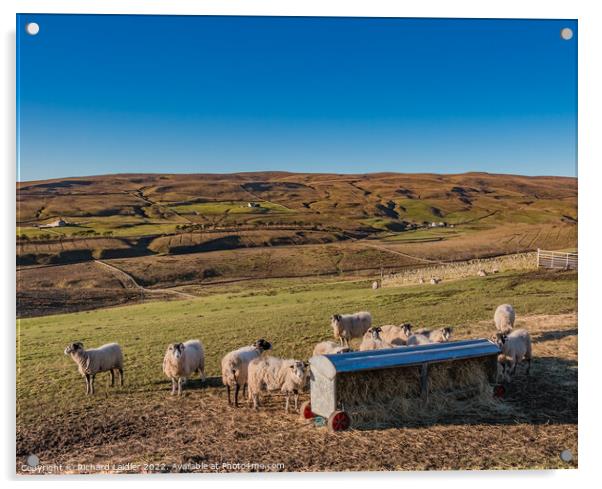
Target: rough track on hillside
[{"x": 127, "y": 278}]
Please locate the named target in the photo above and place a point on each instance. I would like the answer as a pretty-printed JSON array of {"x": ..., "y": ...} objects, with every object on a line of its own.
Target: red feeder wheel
[
  {"x": 339, "y": 421},
  {"x": 306, "y": 412}
]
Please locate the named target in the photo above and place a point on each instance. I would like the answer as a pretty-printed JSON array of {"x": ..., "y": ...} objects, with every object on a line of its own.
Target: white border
[{"x": 590, "y": 205}]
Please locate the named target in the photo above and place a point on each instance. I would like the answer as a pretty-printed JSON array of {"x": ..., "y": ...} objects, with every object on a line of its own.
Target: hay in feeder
[{"x": 383, "y": 398}]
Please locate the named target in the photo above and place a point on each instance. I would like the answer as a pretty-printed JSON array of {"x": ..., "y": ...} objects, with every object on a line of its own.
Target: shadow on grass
[
  {"x": 194, "y": 383},
  {"x": 555, "y": 335}
]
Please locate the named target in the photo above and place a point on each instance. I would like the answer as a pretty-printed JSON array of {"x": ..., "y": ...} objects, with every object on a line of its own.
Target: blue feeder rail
[{"x": 327, "y": 369}]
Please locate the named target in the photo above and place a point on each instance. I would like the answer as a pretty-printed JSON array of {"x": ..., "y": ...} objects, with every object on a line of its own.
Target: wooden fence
[{"x": 557, "y": 259}]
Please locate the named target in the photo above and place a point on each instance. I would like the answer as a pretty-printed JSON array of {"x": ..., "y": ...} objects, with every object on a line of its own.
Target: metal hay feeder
[{"x": 329, "y": 372}]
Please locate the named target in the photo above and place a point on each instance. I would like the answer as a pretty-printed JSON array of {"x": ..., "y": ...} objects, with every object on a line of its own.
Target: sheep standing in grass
[
  {"x": 235, "y": 366},
  {"x": 181, "y": 361},
  {"x": 373, "y": 341},
  {"x": 106, "y": 358},
  {"x": 349, "y": 326},
  {"x": 396, "y": 335},
  {"x": 516, "y": 348},
  {"x": 482, "y": 273},
  {"x": 504, "y": 318},
  {"x": 441, "y": 335},
  {"x": 418, "y": 339},
  {"x": 277, "y": 374},
  {"x": 435, "y": 280},
  {"x": 375, "y": 285},
  {"x": 329, "y": 348}
]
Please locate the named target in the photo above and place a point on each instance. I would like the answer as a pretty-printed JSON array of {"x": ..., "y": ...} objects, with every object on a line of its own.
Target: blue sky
[{"x": 128, "y": 94}]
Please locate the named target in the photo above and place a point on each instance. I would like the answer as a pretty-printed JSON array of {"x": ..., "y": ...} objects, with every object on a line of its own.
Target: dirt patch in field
[{"x": 199, "y": 432}]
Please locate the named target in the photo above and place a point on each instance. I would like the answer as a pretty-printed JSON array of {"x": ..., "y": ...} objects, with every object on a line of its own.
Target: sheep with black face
[
  {"x": 373, "y": 341},
  {"x": 181, "y": 361},
  {"x": 396, "y": 335},
  {"x": 516, "y": 348},
  {"x": 235, "y": 366},
  {"x": 106, "y": 358},
  {"x": 345, "y": 327}
]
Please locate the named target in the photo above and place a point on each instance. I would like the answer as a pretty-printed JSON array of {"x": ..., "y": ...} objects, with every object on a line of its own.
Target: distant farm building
[{"x": 57, "y": 223}]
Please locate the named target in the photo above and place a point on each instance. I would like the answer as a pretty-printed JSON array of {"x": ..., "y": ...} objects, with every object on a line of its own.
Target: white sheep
[
  {"x": 349, "y": 326},
  {"x": 418, "y": 339},
  {"x": 106, "y": 358},
  {"x": 329, "y": 348},
  {"x": 373, "y": 341},
  {"x": 396, "y": 335},
  {"x": 181, "y": 360},
  {"x": 440, "y": 335},
  {"x": 516, "y": 347},
  {"x": 482, "y": 273},
  {"x": 273, "y": 374},
  {"x": 435, "y": 280},
  {"x": 375, "y": 285},
  {"x": 504, "y": 318},
  {"x": 235, "y": 366}
]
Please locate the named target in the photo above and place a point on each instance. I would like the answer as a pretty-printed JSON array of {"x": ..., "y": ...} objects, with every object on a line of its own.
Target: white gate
[{"x": 557, "y": 259}]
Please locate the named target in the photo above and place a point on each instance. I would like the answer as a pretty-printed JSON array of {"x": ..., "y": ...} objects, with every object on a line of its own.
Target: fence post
[{"x": 537, "y": 257}]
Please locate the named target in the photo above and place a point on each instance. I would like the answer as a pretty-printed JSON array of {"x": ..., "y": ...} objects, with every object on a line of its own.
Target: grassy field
[
  {"x": 142, "y": 423},
  {"x": 228, "y": 207}
]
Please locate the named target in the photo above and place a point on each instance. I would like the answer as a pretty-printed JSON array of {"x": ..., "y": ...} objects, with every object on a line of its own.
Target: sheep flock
[{"x": 250, "y": 369}]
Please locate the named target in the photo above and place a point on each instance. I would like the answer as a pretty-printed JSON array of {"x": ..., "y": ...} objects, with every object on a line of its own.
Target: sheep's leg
[
  {"x": 296, "y": 400},
  {"x": 93, "y": 378},
  {"x": 112, "y": 372},
  {"x": 173, "y": 386},
  {"x": 244, "y": 391},
  {"x": 286, "y": 405},
  {"x": 255, "y": 397},
  {"x": 529, "y": 366},
  {"x": 202, "y": 372},
  {"x": 121, "y": 376},
  {"x": 228, "y": 391},
  {"x": 236, "y": 391},
  {"x": 87, "y": 378},
  {"x": 179, "y": 386},
  {"x": 504, "y": 376}
]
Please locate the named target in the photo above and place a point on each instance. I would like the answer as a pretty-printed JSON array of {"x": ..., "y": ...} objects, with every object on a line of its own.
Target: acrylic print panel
[{"x": 243, "y": 238}]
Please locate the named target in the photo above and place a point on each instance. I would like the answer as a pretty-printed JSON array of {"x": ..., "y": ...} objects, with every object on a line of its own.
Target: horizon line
[{"x": 296, "y": 173}]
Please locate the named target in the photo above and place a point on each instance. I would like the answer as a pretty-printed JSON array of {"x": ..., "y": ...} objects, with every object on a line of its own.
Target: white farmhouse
[{"x": 57, "y": 223}]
